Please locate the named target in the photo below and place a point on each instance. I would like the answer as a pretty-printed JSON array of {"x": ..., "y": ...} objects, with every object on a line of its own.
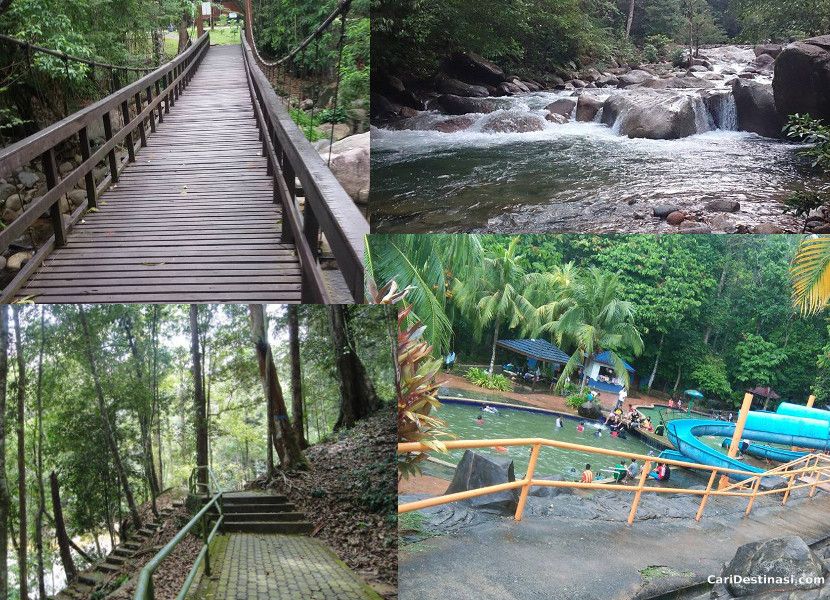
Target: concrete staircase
[
  {"x": 251, "y": 512},
  {"x": 89, "y": 580}
]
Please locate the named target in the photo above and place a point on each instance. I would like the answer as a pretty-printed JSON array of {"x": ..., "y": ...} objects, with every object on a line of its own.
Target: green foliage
[
  {"x": 307, "y": 123},
  {"x": 482, "y": 378},
  {"x": 782, "y": 21},
  {"x": 710, "y": 377},
  {"x": 650, "y": 53},
  {"x": 678, "y": 57},
  {"x": 814, "y": 132},
  {"x": 577, "y": 398},
  {"x": 758, "y": 361}
]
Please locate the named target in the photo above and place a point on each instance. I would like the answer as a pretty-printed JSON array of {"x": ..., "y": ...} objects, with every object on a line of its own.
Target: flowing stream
[{"x": 581, "y": 176}]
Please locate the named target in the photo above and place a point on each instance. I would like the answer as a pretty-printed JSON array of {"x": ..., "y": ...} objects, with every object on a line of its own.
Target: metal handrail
[
  {"x": 819, "y": 474},
  {"x": 212, "y": 480},
  {"x": 144, "y": 588}
]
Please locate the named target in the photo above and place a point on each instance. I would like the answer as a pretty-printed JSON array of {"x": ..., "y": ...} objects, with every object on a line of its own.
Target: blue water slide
[
  {"x": 767, "y": 452},
  {"x": 773, "y": 428}
]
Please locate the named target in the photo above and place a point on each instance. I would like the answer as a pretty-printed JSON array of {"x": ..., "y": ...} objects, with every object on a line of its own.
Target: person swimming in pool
[
  {"x": 479, "y": 420},
  {"x": 559, "y": 423},
  {"x": 581, "y": 427}
]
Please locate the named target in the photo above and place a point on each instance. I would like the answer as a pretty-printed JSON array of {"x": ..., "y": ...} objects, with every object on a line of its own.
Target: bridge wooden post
[
  {"x": 50, "y": 169},
  {"x": 149, "y": 96},
  {"x": 125, "y": 115},
  {"x": 141, "y": 134},
  {"x": 289, "y": 176},
  {"x": 111, "y": 153},
  {"x": 89, "y": 178}
]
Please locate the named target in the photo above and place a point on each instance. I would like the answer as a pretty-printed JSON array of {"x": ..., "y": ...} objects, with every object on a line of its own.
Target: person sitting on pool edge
[
  {"x": 661, "y": 473},
  {"x": 618, "y": 472},
  {"x": 587, "y": 475},
  {"x": 633, "y": 469}
]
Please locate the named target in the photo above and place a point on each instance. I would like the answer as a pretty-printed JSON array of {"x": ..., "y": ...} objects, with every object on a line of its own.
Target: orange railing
[{"x": 808, "y": 471}]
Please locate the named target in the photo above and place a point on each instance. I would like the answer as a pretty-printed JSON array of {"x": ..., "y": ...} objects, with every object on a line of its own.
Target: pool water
[{"x": 513, "y": 423}]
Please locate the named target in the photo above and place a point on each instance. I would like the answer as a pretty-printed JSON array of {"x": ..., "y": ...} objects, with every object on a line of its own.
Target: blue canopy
[
  {"x": 539, "y": 349},
  {"x": 693, "y": 393},
  {"x": 604, "y": 358}
]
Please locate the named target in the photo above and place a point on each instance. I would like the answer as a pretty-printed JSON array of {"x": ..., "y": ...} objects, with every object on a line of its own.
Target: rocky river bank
[{"x": 493, "y": 130}]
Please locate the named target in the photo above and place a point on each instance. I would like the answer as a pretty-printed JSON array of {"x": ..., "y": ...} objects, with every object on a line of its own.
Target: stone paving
[{"x": 252, "y": 566}]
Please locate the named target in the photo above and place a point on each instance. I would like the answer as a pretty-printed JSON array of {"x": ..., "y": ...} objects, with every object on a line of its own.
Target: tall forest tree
[
  {"x": 358, "y": 398},
  {"x": 297, "y": 411},
  {"x": 199, "y": 401},
  {"x": 5, "y": 499},
  {"x": 23, "y": 545}
]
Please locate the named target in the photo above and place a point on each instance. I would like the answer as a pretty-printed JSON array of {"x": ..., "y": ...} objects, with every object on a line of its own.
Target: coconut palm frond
[{"x": 810, "y": 272}]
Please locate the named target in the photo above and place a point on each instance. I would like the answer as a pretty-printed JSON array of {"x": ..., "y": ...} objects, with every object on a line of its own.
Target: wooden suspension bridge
[{"x": 220, "y": 197}]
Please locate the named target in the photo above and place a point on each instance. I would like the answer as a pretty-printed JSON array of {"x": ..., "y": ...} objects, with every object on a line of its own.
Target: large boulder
[
  {"x": 448, "y": 85},
  {"x": 587, "y": 108},
  {"x": 590, "y": 410},
  {"x": 802, "y": 78},
  {"x": 513, "y": 123},
  {"x": 350, "y": 165},
  {"x": 477, "y": 471},
  {"x": 635, "y": 77},
  {"x": 651, "y": 116},
  {"x": 451, "y": 104},
  {"x": 453, "y": 125},
  {"x": 678, "y": 83},
  {"x": 756, "y": 108},
  {"x": 772, "y": 49},
  {"x": 788, "y": 560},
  {"x": 474, "y": 68},
  {"x": 562, "y": 106}
]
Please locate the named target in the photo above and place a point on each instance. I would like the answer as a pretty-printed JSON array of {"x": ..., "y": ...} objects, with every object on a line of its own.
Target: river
[{"x": 582, "y": 176}]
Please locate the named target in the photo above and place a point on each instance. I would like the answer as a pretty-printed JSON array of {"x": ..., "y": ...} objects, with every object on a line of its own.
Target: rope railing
[{"x": 64, "y": 56}]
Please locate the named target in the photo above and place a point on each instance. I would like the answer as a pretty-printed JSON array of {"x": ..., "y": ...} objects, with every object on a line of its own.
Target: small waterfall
[
  {"x": 724, "y": 111},
  {"x": 704, "y": 121}
]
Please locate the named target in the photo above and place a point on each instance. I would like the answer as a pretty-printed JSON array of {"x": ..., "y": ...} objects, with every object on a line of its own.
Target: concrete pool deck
[{"x": 579, "y": 546}]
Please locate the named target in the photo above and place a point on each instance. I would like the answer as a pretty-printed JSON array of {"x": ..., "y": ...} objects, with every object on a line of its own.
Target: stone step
[
  {"x": 146, "y": 531},
  {"x": 108, "y": 568},
  {"x": 289, "y": 527},
  {"x": 266, "y": 517},
  {"x": 264, "y": 508},
  {"x": 122, "y": 552},
  {"x": 178, "y": 503},
  {"x": 93, "y": 578},
  {"x": 130, "y": 546},
  {"x": 114, "y": 559},
  {"x": 253, "y": 499}
]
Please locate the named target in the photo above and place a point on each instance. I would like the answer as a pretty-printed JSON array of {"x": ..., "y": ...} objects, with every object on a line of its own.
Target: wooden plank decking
[{"x": 192, "y": 220}]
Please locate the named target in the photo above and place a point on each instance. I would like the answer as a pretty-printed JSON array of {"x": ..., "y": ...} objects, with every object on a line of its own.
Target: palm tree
[
  {"x": 811, "y": 274},
  {"x": 594, "y": 319},
  {"x": 495, "y": 292},
  {"x": 426, "y": 264}
]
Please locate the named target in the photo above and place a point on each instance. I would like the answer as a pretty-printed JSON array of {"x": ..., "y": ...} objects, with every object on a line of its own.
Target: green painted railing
[{"x": 144, "y": 589}]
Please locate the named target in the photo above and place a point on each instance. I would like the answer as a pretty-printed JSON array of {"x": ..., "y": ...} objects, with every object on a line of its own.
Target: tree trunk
[
  {"x": 493, "y": 353},
  {"x": 41, "y": 494},
  {"x": 60, "y": 530},
  {"x": 288, "y": 447},
  {"x": 108, "y": 429},
  {"x": 4, "y": 486},
  {"x": 144, "y": 417},
  {"x": 199, "y": 408},
  {"x": 656, "y": 362},
  {"x": 23, "y": 545},
  {"x": 677, "y": 381},
  {"x": 183, "y": 35},
  {"x": 156, "y": 412},
  {"x": 297, "y": 412},
  {"x": 358, "y": 398},
  {"x": 630, "y": 18}
]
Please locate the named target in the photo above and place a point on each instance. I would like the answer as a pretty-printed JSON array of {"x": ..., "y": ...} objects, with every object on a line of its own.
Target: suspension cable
[{"x": 64, "y": 56}]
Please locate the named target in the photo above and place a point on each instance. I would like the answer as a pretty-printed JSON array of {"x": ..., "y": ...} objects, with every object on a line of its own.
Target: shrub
[
  {"x": 678, "y": 57},
  {"x": 660, "y": 43},
  {"x": 482, "y": 378},
  {"x": 650, "y": 53},
  {"x": 577, "y": 399}
]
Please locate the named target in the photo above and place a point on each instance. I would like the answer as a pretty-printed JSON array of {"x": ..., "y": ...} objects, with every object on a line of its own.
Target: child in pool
[
  {"x": 581, "y": 427},
  {"x": 479, "y": 420},
  {"x": 559, "y": 424}
]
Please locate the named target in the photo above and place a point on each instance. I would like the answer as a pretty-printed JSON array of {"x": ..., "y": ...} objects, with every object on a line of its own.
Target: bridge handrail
[
  {"x": 161, "y": 86},
  {"x": 819, "y": 470},
  {"x": 64, "y": 56},
  {"x": 144, "y": 587},
  {"x": 328, "y": 208}
]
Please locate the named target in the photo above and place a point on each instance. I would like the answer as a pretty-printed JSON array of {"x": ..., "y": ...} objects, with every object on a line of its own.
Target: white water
[{"x": 578, "y": 176}]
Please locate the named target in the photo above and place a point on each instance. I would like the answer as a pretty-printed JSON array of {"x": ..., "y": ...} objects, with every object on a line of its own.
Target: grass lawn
[{"x": 219, "y": 36}]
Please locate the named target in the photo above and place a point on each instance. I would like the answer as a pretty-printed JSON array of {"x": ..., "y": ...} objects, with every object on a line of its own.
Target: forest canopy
[
  {"x": 536, "y": 36},
  {"x": 713, "y": 312}
]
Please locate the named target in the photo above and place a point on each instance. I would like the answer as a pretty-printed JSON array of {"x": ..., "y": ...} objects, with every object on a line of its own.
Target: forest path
[
  {"x": 257, "y": 566},
  {"x": 193, "y": 219}
]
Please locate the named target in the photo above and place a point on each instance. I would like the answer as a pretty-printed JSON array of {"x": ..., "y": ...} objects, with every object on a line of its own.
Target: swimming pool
[{"x": 517, "y": 422}]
